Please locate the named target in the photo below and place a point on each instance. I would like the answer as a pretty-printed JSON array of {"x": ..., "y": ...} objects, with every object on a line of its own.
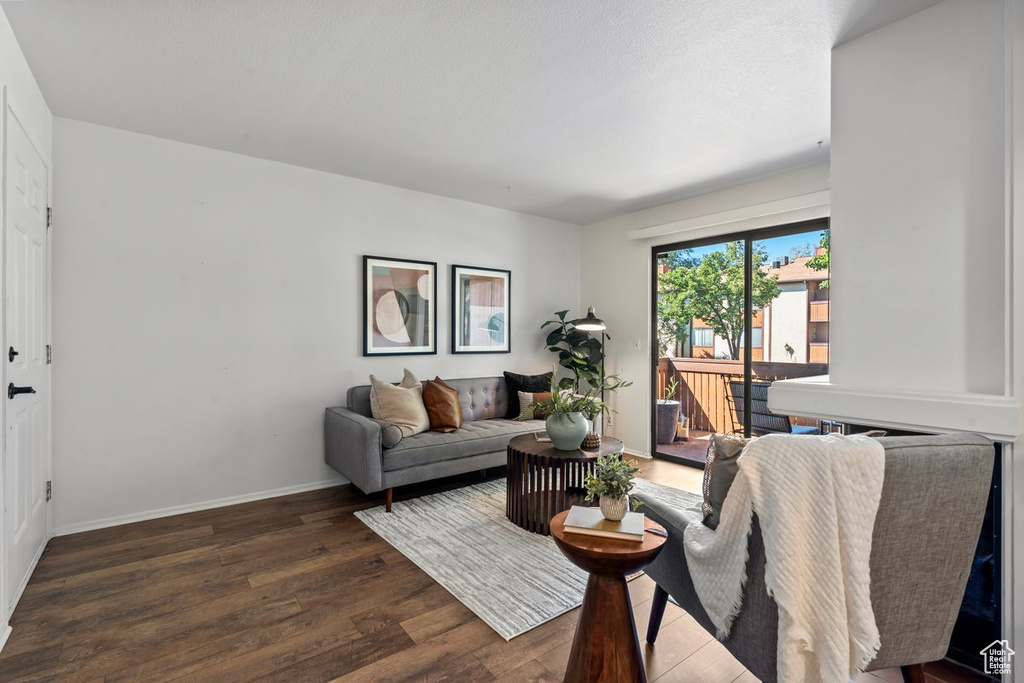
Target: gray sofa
[
  {"x": 926, "y": 530},
  {"x": 354, "y": 443}
]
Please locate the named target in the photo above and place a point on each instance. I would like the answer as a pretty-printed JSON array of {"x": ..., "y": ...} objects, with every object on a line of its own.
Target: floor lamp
[{"x": 591, "y": 323}]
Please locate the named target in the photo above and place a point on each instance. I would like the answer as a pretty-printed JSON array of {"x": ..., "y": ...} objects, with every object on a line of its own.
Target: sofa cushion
[
  {"x": 473, "y": 438},
  {"x": 401, "y": 405},
  {"x": 526, "y": 400},
  {"x": 723, "y": 463},
  {"x": 527, "y": 383},
  {"x": 482, "y": 398},
  {"x": 443, "y": 406}
]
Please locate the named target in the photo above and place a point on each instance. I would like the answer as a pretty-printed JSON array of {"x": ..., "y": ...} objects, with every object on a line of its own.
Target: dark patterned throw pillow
[{"x": 530, "y": 384}]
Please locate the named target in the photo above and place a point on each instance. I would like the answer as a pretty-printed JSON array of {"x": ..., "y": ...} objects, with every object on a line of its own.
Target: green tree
[
  {"x": 673, "y": 290},
  {"x": 682, "y": 258},
  {"x": 822, "y": 261},
  {"x": 712, "y": 290}
]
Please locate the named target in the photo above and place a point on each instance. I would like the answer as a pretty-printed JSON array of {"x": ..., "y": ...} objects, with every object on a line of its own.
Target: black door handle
[
  {"x": 13, "y": 391},
  {"x": 11, "y": 353}
]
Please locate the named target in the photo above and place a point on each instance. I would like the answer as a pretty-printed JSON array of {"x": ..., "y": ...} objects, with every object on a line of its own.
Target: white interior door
[{"x": 27, "y": 455}]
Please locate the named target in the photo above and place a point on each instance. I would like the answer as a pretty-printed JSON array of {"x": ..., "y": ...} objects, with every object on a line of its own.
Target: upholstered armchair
[{"x": 925, "y": 533}]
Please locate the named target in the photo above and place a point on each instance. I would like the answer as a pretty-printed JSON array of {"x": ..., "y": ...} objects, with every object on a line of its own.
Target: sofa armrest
[{"x": 352, "y": 445}]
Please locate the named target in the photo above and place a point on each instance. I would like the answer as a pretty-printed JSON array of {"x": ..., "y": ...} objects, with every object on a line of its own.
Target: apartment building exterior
[{"x": 793, "y": 328}]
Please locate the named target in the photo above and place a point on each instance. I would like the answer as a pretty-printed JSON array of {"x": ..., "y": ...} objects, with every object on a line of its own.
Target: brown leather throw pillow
[{"x": 443, "y": 406}]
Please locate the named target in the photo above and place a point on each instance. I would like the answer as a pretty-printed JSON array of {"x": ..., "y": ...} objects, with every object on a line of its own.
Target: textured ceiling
[{"x": 573, "y": 109}]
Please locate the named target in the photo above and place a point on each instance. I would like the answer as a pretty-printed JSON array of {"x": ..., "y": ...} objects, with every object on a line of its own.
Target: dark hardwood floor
[{"x": 297, "y": 589}]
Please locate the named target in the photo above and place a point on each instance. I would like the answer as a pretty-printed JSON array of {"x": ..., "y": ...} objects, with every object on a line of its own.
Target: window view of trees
[
  {"x": 700, "y": 294},
  {"x": 700, "y": 300},
  {"x": 711, "y": 289}
]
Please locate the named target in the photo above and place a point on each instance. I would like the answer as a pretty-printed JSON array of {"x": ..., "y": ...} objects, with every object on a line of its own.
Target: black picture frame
[
  {"x": 399, "y": 307},
  {"x": 488, "y": 328}
]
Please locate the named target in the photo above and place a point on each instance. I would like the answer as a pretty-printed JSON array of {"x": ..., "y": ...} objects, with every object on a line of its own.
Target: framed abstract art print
[
  {"x": 481, "y": 310},
  {"x": 399, "y": 306}
]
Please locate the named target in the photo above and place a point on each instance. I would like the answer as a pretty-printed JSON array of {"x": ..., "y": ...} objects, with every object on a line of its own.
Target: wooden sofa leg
[
  {"x": 913, "y": 673},
  {"x": 387, "y": 500},
  {"x": 658, "y": 604}
]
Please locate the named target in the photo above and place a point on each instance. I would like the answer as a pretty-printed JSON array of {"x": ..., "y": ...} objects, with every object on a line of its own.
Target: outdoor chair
[{"x": 764, "y": 421}]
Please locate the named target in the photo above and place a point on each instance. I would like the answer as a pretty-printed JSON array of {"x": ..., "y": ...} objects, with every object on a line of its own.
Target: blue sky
[{"x": 776, "y": 246}]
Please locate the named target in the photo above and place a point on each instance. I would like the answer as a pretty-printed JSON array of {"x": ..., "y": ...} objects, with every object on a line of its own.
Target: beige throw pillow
[
  {"x": 526, "y": 409},
  {"x": 401, "y": 405}
]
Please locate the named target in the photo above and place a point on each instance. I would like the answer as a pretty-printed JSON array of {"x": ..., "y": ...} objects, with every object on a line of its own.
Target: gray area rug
[{"x": 512, "y": 579}]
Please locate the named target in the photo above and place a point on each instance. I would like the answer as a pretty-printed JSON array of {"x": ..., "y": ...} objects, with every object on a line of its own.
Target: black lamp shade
[{"x": 590, "y": 323}]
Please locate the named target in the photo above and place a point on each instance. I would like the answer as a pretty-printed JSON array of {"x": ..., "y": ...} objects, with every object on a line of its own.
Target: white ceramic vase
[{"x": 614, "y": 509}]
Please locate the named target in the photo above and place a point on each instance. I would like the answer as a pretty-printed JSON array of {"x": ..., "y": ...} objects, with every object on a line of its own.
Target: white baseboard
[
  {"x": 5, "y": 633},
  {"x": 196, "y": 507},
  {"x": 637, "y": 454}
]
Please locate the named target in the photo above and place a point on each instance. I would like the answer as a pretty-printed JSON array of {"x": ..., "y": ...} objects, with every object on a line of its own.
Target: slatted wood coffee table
[{"x": 543, "y": 481}]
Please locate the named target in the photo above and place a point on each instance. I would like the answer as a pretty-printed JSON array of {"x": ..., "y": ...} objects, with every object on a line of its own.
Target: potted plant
[
  {"x": 566, "y": 410},
  {"x": 668, "y": 413},
  {"x": 578, "y": 352},
  {"x": 611, "y": 483},
  {"x": 583, "y": 355}
]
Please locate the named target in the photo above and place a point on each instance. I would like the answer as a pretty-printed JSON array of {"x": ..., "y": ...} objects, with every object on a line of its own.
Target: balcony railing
[
  {"x": 818, "y": 352},
  {"x": 704, "y": 387},
  {"x": 819, "y": 312}
]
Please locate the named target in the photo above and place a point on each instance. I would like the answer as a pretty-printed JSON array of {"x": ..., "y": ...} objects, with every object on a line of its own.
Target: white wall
[
  {"x": 620, "y": 285},
  {"x": 919, "y": 179},
  {"x": 789, "y": 323},
  {"x": 23, "y": 94},
  {"x": 207, "y": 310},
  {"x": 918, "y": 206}
]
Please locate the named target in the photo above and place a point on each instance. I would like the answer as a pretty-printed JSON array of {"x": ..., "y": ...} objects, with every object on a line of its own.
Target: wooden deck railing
[{"x": 704, "y": 386}]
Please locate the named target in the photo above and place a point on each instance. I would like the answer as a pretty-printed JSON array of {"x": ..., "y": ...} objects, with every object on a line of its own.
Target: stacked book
[{"x": 590, "y": 522}]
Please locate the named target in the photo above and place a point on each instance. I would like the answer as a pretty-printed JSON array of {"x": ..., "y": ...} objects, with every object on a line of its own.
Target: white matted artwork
[
  {"x": 481, "y": 310},
  {"x": 399, "y": 306}
]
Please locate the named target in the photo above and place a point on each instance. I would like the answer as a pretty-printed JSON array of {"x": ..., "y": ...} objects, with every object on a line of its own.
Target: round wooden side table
[
  {"x": 543, "y": 480},
  {"x": 605, "y": 647}
]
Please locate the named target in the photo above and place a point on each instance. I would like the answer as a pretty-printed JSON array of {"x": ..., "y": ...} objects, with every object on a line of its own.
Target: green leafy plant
[
  {"x": 582, "y": 355},
  {"x": 671, "y": 388},
  {"x": 566, "y": 401},
  {"x": 822, "y": 261},
  {"x": 612, "y": 477},
  {"x": 578, "y": 352}
]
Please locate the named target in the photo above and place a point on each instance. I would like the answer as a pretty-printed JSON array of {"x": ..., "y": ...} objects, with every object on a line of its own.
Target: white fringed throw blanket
[{"x": 816, "y": 499}]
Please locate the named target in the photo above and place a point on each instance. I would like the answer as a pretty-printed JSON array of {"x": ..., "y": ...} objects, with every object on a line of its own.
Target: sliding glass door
[{"x": 731, "y": 315}]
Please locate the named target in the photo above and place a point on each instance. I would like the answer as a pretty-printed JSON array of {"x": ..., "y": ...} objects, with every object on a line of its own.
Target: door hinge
[
  {"x": 49, "y": 216},
  {"x": 49, "y": 491},
  {"x": 49, "y": 354}
]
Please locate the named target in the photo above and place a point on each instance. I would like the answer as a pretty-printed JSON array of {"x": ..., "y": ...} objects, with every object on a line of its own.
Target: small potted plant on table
[{"x": 611, "y": 483}]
